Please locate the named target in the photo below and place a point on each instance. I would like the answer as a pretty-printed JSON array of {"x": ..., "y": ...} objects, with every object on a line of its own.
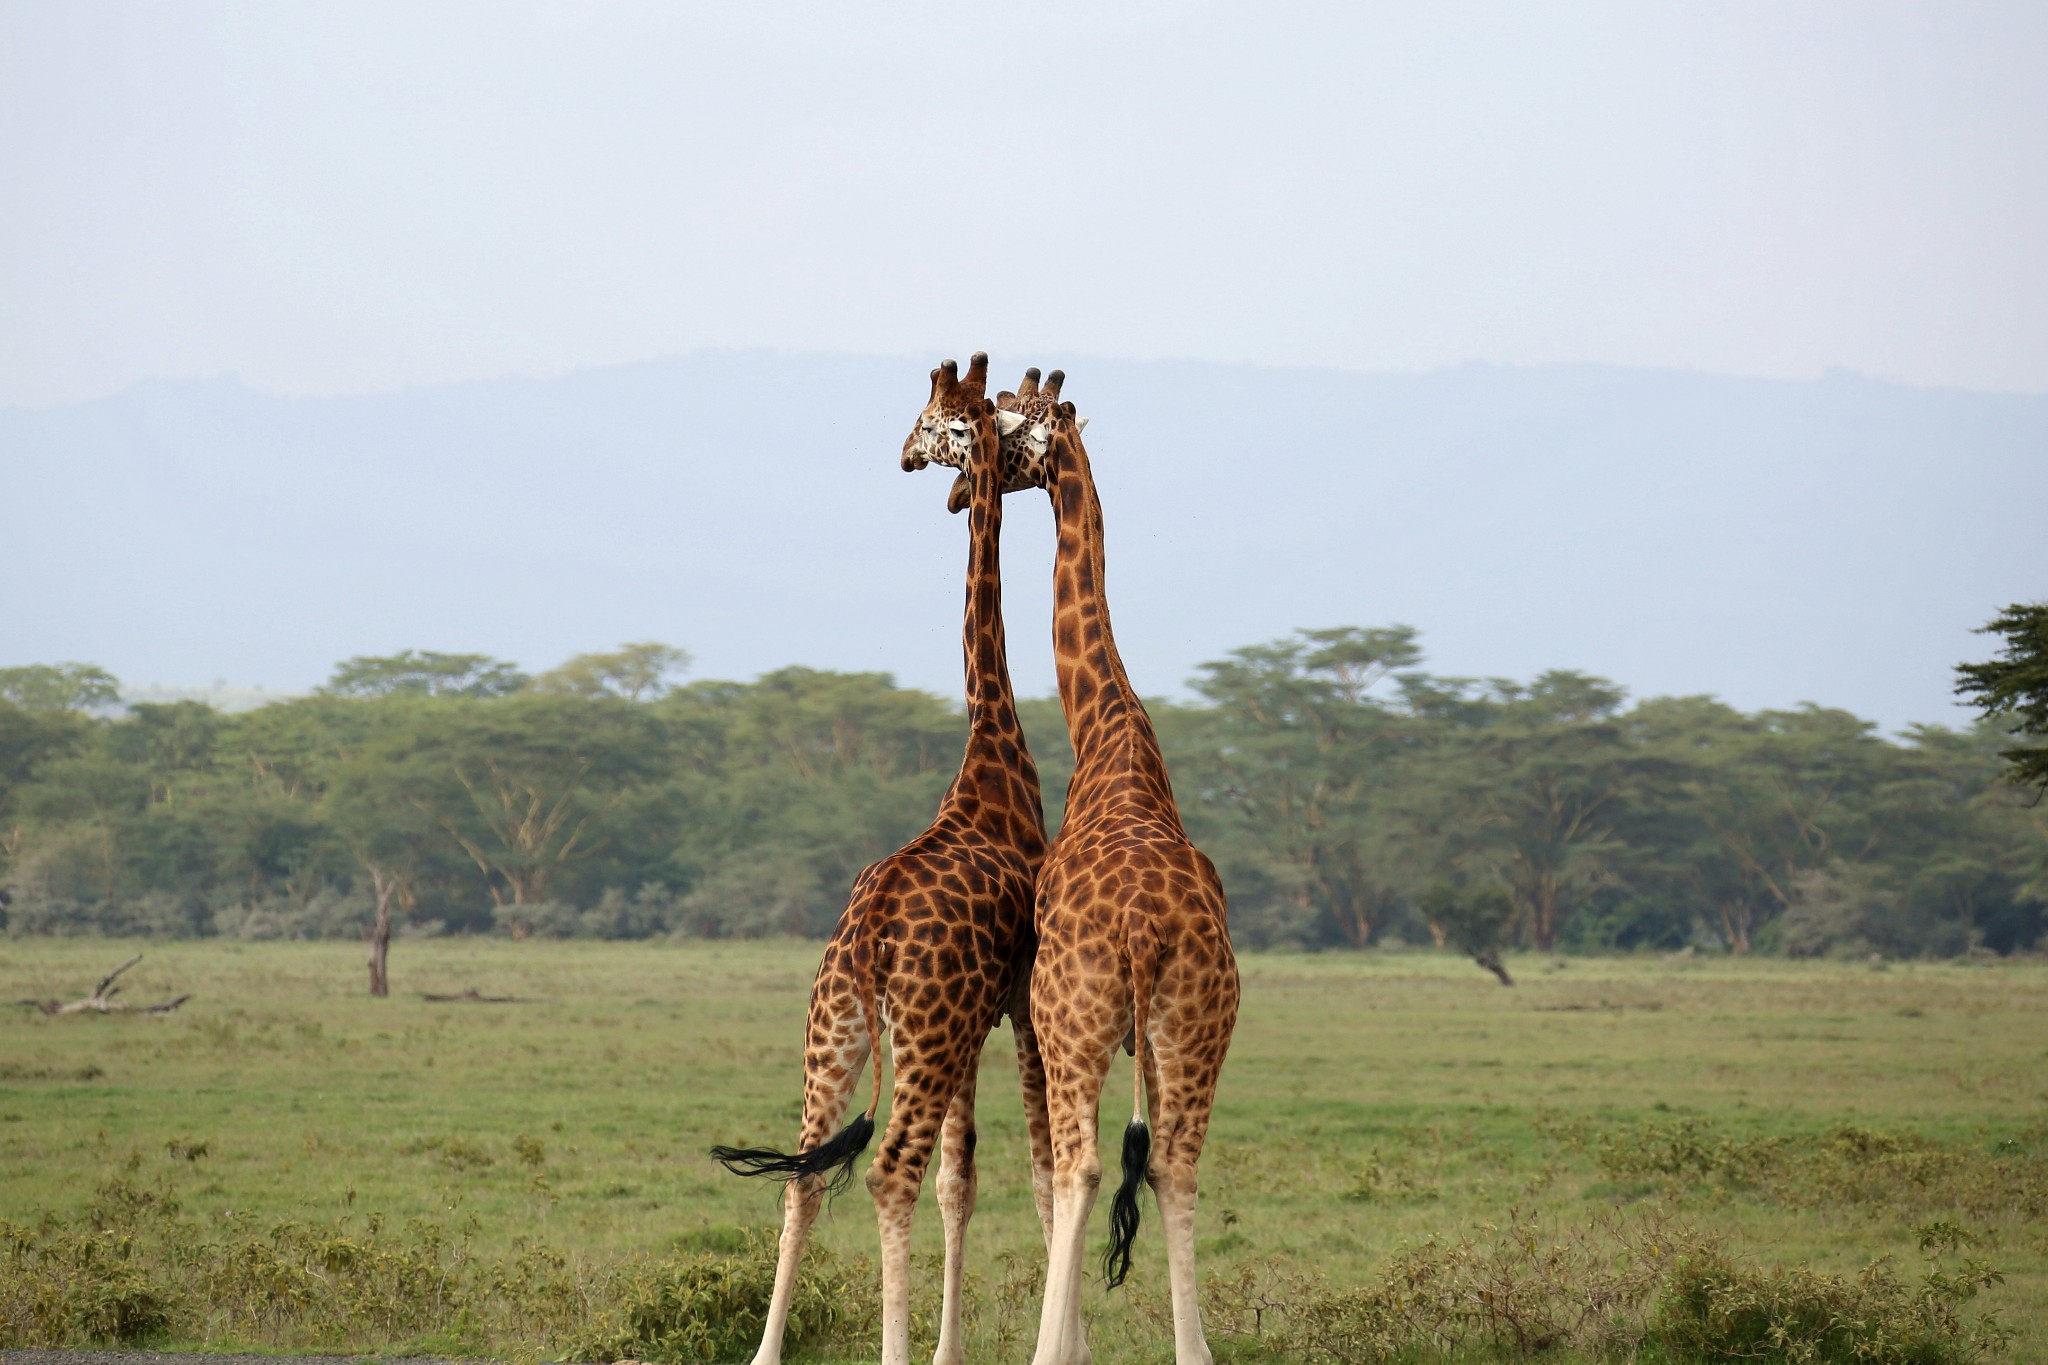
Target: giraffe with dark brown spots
[
  {"x": 1132, "y": 942},
  {"x": 935, "y": 945}
]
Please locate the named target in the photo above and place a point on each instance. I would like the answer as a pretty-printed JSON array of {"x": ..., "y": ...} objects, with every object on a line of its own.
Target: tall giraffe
[
  {"x": 1132, "y": 943},
  {"x": 934, "y": 946}
]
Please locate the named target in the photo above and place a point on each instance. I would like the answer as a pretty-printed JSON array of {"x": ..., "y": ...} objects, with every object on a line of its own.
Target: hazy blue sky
[{"x": 339, "y": 197}]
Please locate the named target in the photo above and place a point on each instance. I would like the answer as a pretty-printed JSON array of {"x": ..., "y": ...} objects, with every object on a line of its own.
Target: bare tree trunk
[
  {"x": 1735, "y": 924},
  {"x": 379, "y": 933}
]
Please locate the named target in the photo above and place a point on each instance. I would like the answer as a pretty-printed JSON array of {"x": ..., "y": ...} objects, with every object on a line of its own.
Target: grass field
[{"x": 1813, "y": 1114}]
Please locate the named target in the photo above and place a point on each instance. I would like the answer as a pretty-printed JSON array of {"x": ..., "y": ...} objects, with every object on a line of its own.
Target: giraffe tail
[
  {"x": 1142, "y": 951},
  {"x": 833, "y": 1158}
]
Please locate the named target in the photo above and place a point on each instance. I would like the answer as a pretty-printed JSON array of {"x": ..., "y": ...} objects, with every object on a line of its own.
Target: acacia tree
[
  {"x": 522, "y": 784},
  {"x": 389, "y": 836},
  {"x": 816, "y": 774},
  {"x": 1308, "y": 767},
  {"x": 424, "y": 673},
  {"x": 635, "y": 672},
  {"x": 2013, "y": 689},
  {"x": 1536, "y": 776},
  {"x": 1785, "y": 794},
  {"x": 59, "y": 687}
]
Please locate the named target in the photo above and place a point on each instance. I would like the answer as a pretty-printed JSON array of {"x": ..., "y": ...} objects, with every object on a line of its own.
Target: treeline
[{"x": 1348, "y": 796}]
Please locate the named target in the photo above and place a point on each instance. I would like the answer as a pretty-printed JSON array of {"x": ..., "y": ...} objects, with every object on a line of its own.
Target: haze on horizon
[
  {"x": 326, "y": 199},
  {"x": 391, "y": 197}
]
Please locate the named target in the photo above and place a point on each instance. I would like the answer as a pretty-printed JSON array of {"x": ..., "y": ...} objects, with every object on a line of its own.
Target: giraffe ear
[
  {"x": 1080, "y": 424},
  {"x": 1008, "y": 422},
  {"x": 960, "y": 494}
]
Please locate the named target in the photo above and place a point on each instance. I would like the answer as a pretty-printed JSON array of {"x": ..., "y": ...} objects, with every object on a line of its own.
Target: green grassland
[{"x": 1371, "y": 1102}]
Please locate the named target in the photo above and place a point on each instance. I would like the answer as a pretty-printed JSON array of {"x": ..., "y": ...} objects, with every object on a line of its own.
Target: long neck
[
  {"x": 997, "y": 770},
  {"x": 1116, "y": 753}
]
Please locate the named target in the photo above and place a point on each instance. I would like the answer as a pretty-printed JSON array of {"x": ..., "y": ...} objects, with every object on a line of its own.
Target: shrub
[
  {"x": 1616, "y": 1289},
  {"x": 1841, "y": 1166},
  {"x": 711, "y": 1306},
  {"x": 1713, "y": 1309},
  {"x": 538, "y": 919}
]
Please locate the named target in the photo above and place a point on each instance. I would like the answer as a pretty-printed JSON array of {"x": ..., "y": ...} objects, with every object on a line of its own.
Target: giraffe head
[
  {"x": 1027, "y": 450},
  {"x": 953, "y": 423}
]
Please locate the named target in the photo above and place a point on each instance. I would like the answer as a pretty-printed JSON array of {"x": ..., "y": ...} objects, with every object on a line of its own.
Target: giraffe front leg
[
  {"x": 956, "y": 1183},
  {"x": 832, "y": 1065}
]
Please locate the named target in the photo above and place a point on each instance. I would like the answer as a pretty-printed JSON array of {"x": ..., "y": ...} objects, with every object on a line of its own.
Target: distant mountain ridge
[{"x": 1768, "y": 541}]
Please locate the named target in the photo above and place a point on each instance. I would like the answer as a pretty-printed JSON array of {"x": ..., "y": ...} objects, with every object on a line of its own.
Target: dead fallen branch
[
  {"x": 102, "y": 1000},
  {"x": 471, "y": 997}
]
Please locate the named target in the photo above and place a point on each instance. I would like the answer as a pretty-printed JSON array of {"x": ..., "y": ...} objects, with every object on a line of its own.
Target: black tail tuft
[
  {"x": 1123, "y": 1210},
  {"x": 834, "y": 1156}
]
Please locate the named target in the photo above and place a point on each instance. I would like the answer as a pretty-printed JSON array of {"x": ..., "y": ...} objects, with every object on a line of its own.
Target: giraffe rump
[{"x": 832, "y": 1158}]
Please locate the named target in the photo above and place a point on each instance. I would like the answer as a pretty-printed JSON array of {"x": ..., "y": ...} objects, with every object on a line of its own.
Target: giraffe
[
  {"x": 1132, "y": 943},
  {"x": 934, "y": 946}
]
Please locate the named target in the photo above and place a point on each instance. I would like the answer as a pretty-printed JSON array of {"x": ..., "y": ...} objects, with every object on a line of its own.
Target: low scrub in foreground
[
  {"x": 1841, "y": 1167},
  {"x": 1614, "y": 1289},
  {"x": 134, "y": 1269}
]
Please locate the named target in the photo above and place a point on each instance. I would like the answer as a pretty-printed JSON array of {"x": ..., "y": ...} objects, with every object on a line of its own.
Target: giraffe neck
[
  {"x": 1116, "y": 752},
  {"x": 997, "y": 776}
]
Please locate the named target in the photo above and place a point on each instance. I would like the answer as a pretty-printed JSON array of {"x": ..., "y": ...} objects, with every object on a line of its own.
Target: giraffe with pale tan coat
[{"x": 1132, "y": 938}]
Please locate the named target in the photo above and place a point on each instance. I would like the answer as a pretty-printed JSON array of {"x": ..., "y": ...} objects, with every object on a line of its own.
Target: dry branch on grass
[
  {"x": 102, "y": 1001},
  {"x": 472, "y": 997}
]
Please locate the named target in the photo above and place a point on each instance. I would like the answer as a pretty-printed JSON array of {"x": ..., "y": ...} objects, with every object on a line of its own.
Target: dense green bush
[{"x": 712, "y": 1306}]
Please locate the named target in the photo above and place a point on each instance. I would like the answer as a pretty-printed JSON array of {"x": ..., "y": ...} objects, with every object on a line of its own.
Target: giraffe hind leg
[
  {"x": 1186, "y": 1094},
  {"x": 831, "y": 1072},
  {"x": 957, "y": 1183},
  {"x": 918, "y": 1105},
  {"x": 1031, "y": 1080}
]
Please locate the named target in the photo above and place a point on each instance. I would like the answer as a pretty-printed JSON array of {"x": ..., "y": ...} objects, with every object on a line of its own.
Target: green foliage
[
  {"x": 1841, "y": 1167},
  {"x": 1472, "y": 920},
  {"x": 1332, "y": 779},
  {"x": 59, "y": 687},
  {"x": 1613, "y": 1288},
  {"x": 424, "y": 673},
  {"x": 1714, "y": 1309},
  {"x": 2014, "y": 687},
  {"x": 135, "y": 1270},
  {"x": 639, "y": 672},
  {"x": 682, "y": 1310}
]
